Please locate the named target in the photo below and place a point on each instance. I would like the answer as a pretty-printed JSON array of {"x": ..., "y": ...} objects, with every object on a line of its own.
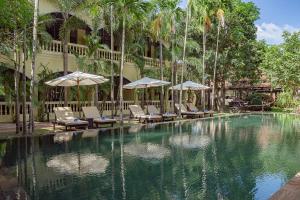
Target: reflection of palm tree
[
  {"x": 184, "y": 179},
  {"x": 33, "y": 169},
  {"x": 122, "y": 163},
  {"x": 113, "y": 164},
  {"x": 214, "y": 151}
]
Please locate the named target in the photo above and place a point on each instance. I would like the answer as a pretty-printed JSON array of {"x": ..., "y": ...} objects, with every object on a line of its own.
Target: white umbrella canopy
[
  {"x": 77, "y": 78},
  {"x": 190, "y": 85},
  {"x": 78, "y": 164},
  {"x": 147, "y": 150},
  {"x": 190, "y": 141},
  {"x": 146, "y": 82}
]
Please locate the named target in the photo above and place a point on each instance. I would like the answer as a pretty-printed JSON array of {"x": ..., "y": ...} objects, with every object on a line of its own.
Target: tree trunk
[
  {"x": 17, "y": 78},
  {"x": 96, "y": 99},
  {"x": 172, "y": 78},
  {"x": 215, "y": 69},
  {"x": 203, "y": 68},
  {"x": 24, "y": 128},
  {"x": 183, "y": 59},
  {"x": 121, "y": 69},
  {"x": 223, "y": 95},
  {"x": 65, "y": 58},
  {"x": 112, "y": 98},
  {"x": 161, "y": 76},
  {"x": 34, "y": 51}
]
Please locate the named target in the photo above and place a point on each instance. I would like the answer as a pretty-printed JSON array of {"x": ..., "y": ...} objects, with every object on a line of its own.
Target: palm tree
[
  {"x": 70, "y": 23},
  {"x": 206, "y": 27},
  {"x": 33, "y": 63},
  {"x": 24, "y": 128},
  {"x": 162, "y": 28},
  {"x": 184, "y": 52},
  {"x": 201, "y": 18},
  {"x": 133, "y": 10},
  {"x": 112, "y": 95},
  {"x": 156, "y": 27},
  {"x": 221, "y": 23}
]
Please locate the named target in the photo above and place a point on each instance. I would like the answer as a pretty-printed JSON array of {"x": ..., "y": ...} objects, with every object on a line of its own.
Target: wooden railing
[
  {"x": 82, "y": 50},
  {"x": 7, "y": 110}
]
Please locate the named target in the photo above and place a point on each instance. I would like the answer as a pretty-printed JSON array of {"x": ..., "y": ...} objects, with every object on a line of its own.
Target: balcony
[{"x": 81, "y": 50}]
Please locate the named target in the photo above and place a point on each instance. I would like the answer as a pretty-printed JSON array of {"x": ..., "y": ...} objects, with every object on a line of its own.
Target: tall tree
[
  {"x": 162, "y": 29},
  {"x": 221, "y": 23},
  {"x": 183, "y": 54},
  {"x": 67, "y": 7},
  {"x": 112, "y": 81},
  {"x": 131, "y": 11},
  {"x": 33, "y": 64}
]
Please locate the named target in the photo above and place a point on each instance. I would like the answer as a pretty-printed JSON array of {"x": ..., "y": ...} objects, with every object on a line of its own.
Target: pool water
[{"x": 243, "y": 157}]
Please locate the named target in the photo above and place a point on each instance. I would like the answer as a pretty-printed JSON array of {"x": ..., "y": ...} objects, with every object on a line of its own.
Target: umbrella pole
[
  {"x": 78, "y": 103},
  {"x": 146, "y": 93}
]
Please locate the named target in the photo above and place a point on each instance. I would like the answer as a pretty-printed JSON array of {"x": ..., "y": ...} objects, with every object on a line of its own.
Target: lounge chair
[
  {"x": 193, "y": 108},
  {"x": 93, "y": 113},
  {"x": 187, "y": 113},
  {"x": 137, "y": 112},
  {"x": 152, "y": 110},
  {"x": 65, "y": 117}
]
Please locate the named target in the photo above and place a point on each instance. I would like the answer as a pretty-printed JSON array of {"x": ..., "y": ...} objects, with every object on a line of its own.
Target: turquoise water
[{"x": 244, "y": 157}]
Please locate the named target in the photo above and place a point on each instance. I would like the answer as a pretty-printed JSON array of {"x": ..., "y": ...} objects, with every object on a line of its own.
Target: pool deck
[
  {"x": 8, "y": 130},
  {"x": 290, "y": 191}
]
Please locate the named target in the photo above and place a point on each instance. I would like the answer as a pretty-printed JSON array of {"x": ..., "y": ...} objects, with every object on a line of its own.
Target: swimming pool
[{"x": 242, "y": 157}]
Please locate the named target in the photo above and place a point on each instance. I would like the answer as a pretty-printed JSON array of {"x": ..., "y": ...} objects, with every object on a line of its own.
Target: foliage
[
  {"x": 43, "y": 91},
  {"x": 286, "y": 100},
  {"x": 281, "y": 63},
  {"x": 255, "y": 99}
]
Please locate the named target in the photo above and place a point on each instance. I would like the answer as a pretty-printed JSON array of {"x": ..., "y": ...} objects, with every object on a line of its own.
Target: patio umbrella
[
  {"x": 190, "y": 85},
  {"x": 78, "y": 164},
  {"x": 147, "y": 150},
  {"x": 146, "y": 83},
  {"x": 77, "y": 78},
  {"x": 190, "y": 141}
]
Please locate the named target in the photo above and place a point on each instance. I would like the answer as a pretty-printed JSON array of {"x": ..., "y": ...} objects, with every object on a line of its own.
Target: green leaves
[{"x": 281, "y": 63}]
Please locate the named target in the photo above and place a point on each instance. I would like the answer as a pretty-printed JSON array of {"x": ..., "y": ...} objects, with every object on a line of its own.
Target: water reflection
[
  {"x": 81, "y": 164},
  {"x": 228, "y": 158},
  {"x": 147, "y": 150},
  {"x": 190, "y": 141}
]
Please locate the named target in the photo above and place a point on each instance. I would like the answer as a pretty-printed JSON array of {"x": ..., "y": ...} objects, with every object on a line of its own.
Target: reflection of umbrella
[
  {"x": 147, "y": 150},
  {"x": 190, "y": 141},
  {"x": 77, "y": 78},
  {"x": 189, "y": 85},
  {"x": 146, "y": 83},
  {"x": 63, "y": 137},
  {"x": 90, "y": 133},
  {"x": 135, "y": 129},
  {"x": 78, "y": 164}
]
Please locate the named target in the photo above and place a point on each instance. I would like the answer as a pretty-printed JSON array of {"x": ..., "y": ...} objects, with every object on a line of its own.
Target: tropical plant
[
  {"x": 70, "y": 22},
  {"x": 131, "y": 11},
  {"x": 221, "y": 23}
]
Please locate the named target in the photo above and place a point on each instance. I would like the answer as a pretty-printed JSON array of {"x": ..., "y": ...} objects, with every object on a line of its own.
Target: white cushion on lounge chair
[
  {"x": 65, "y": 116},
  {"x": 138, "y": 112}
]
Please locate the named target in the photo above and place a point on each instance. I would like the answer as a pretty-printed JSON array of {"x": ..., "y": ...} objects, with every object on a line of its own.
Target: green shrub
[
  {"x": 255, "y": 99},
  {"x": 286, "y": 100}
]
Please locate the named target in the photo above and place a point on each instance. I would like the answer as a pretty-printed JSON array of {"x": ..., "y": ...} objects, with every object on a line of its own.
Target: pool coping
[{"x": 218, "y": 115}]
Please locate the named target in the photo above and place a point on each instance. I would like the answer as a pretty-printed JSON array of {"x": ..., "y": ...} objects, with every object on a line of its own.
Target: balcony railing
[{"x": 81, "y": 50}]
